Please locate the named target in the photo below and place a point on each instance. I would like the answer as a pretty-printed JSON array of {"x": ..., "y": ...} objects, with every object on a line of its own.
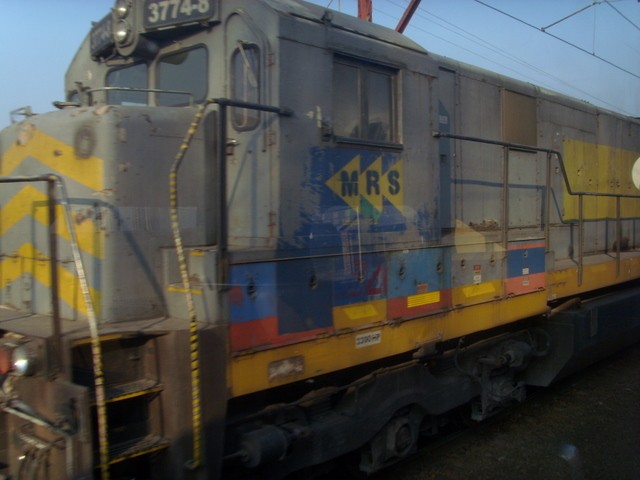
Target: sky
[{"x": 583, "y": 48}]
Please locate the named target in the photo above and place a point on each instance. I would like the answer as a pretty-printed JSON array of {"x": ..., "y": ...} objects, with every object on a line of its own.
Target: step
[
  {"x": 121, "y": 452},
  {"x": 125, "y": 391}
]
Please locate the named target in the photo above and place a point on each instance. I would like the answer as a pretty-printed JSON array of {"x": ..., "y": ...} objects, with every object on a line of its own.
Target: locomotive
[{"x": 261, "y": 236}]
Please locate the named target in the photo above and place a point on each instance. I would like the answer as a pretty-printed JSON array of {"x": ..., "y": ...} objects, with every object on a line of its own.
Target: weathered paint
[{"x": 598, "y": 168}]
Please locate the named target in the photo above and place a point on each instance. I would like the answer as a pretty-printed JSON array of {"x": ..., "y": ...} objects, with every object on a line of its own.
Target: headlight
[
  {"x": 122, "y": 8},
  {"x": 122, "y": 33},
  {"x": 23, "y": 361}
]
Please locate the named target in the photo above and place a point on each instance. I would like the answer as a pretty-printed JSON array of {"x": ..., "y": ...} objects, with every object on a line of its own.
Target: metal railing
[
  {"x": 580, "y": 194},
  {"x": 222, "y": 240},
  {"x": 54, "y": 182},
  {"x": 90, "y": 97}
]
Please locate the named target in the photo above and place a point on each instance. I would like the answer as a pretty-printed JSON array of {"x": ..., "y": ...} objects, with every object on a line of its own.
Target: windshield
[
  {"x": 181, "y": 78},
  {"x": 184, "y": 71},
  {"x": 130, "y": 77}
]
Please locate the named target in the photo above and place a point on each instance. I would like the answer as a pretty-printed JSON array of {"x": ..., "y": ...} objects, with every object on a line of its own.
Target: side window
[
  {"x": 245, "y": 85},
  {"x": 185, "y": 72},
  {"x": 131, "y": 77},
  {"x": 364, "y": 101}
]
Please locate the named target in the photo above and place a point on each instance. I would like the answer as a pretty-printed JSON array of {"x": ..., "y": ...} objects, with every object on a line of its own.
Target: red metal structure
[
  {"x": 365, "y": 10},
  {"x": 408, "y": 14}
]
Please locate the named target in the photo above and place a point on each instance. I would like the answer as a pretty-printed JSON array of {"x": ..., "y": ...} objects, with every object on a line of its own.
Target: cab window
[
  {"x": 126, "y": 80},
  {"x": 364, "y": 102},
  {"x": 245, "y": 85},
  {"x": 184, "y": 72}
]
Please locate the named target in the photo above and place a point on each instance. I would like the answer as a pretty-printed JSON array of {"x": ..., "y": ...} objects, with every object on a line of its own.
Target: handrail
[
  {"x": 222, "y": 239},
  {"x": 54, "y": 181},
  {"x": 90, "y": 92},
  {"x": 42, "y": 422},
  {"x": 53, "y": 251},
  {"x": 530, "y": 148},
  {"x": 570, "y": 191},
  {"x": 24, "y": 111}
]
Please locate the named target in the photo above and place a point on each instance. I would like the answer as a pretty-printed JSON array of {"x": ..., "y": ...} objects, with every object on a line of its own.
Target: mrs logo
[{"x": 355, "y": 183}]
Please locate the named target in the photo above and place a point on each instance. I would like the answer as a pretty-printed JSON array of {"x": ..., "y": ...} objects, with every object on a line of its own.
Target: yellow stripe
[
  {"x": 29, "y": 201},
  {"x": 564, "y": 283},
  {"x": 29, "y": 261},
  {"x": 249, "y": 373},
  {"x": 58, "y": 156},
  {"x": 194, "y": 291},
  {"x": 423, "y": 299},
  {"x": 359, "y": 314},
  {"x": 599, "y": 169},
  {"x": 103, "y": 338},
  {"x": 482, "y": 292}
]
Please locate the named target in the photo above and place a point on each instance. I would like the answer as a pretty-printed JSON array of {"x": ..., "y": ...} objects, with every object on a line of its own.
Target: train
[{"x": 261, "y": 238}]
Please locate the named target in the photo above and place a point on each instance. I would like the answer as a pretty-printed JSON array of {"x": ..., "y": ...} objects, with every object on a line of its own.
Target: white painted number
[
  {"x": 173, "y": 9},
  {"x": 154, "y": 15},
  {"x": 203, "y": 6},
  {"x": 186, "y": 8}
]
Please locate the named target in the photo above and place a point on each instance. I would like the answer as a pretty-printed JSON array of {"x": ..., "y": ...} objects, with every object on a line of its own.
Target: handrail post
[
  {"x": 223, "y": 224},
  {"x": 54, "y": 181},
  {"x": 505, "y": 212},
  {"x": 51, "y": 181},
  {"x": 55, "y": 294},
  {"x": 547, "y": 207},
  {"x": 618, "y": 235},
  {"x": 580, "y": 237}
]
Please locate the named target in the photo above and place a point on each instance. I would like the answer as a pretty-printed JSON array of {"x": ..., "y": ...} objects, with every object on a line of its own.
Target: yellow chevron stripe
[
  {"x": 29, "y": 261},
  {"x": 58, "y": 156},
  {"x": 29, "y": 201}
]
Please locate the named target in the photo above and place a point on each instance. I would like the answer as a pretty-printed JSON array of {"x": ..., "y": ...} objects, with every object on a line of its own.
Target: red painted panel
[{"x": 263, "y": 333}]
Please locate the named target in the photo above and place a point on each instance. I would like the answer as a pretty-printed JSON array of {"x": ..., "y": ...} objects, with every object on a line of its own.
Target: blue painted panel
[
  {"x": 519, "y": 259},
  {"x": 359, "y": 278},
  {"x": 416, "y": 271},
  {"x": 253, "y": 292},
  {"x": 304, "y": 295}
]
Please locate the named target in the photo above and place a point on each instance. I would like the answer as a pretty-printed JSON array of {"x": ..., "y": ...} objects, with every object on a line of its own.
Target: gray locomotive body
[{"x": 260, "y": 236}]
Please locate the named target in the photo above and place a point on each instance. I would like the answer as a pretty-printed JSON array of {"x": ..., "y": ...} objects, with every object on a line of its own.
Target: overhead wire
[
  {"x": 587, "y": 7},
  {"x": 560, "y": 39},
  {"x": 623, "y": 15},
  {"x": 455, "y": 29},
  {"x": 422, "y": 12}
]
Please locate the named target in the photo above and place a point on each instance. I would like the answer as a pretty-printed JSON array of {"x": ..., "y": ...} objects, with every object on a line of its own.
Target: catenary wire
[
  {"x": 560, "y": 39},
  {"x": 426, "y": 16}
]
